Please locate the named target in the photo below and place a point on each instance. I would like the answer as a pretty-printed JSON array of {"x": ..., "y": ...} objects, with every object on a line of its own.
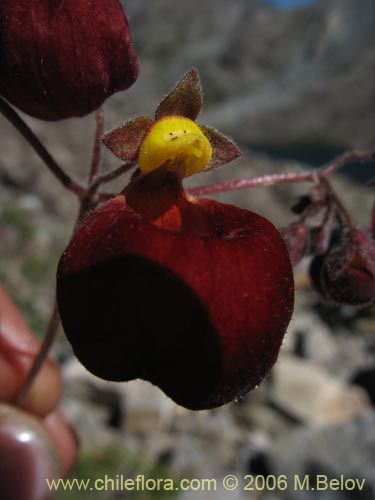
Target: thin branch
[
  {"x": 110, "y": 176},
  {"x": 262, "y": 180},
  {"x": 341, "y": 211},
  {"x": 341, "y": 161},
  {"x": 14, "y": 118},
  {"x": 50, "y": 335},
  {"x": 290, "y": 177},
  {"x": 97, "y": 145}
]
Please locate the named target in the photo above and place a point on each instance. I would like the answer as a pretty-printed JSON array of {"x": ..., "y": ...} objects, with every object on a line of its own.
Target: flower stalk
[
  {"x": 285, "y": 178},
  {"x": 14, "y": 118}
]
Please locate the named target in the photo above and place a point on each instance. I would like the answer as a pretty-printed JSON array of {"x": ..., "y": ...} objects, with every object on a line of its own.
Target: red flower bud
[
  {"x": 295, "y": 237},
  {"x": 60, "y": 59},
  {"x": 190, "y": 294},
  {"x": 346, "y": 273}
]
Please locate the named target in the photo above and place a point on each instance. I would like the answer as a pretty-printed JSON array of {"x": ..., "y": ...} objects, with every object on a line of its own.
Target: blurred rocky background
[
  {"x": 294, "y": 87},
  {"x": 295, "y": 82}
]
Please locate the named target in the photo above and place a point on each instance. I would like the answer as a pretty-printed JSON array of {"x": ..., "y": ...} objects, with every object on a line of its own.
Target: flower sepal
[{"x": 173, "y": 136}]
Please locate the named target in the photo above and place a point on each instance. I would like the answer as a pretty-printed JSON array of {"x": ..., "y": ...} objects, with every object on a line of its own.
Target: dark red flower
[
  {"x": 195, "y": 297},
  {"x": 63, "y": 58},
  {"x": 190, "y": 294},
  {"x": 345, "y": 274}
]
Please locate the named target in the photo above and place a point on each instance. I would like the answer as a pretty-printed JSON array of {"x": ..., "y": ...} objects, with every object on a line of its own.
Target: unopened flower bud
[{"x": 346, "y": 273}]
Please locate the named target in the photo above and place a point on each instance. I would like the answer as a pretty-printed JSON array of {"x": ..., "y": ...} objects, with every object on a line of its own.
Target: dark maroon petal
[
  {"x": 124, "y": 141},
  {"x": 184, "y": 100},
  {"x": 201, "y": 317},
  {"x": 223, "y": 149},
  {"x": 64, "y": 58},
  {"x": 373, "y": 220}
]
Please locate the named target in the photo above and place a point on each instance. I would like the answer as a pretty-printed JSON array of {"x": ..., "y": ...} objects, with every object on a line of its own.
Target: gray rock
[
  {"x": 342, "y": 450},
  {"x": 312, "y": 394}
]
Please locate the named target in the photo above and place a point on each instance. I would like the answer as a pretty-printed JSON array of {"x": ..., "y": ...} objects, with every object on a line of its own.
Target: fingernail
[{"x": 28, "y": 457}]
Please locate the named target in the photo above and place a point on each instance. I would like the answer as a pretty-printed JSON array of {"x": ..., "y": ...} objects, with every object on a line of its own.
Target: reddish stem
[
  {"x": 290, "y": 177},
  {"x": 342, "y": 213},
  {"x": 13, "y": 117},
  {"x": 331, "y": 201},
  {"x": 97, "y": 145},
  {"x": 110, "y": 176},
  {"x": 51, "y": 332},
  {"x": 262, "y": 180},
  {"x": 341, "y": 161}
]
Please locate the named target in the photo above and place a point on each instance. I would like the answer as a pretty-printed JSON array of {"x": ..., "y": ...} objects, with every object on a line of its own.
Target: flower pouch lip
[{"x": 202, "y": 317}]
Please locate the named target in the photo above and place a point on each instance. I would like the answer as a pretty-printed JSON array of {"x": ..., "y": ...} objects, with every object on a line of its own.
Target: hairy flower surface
[
  {"x": 60, "y": 59},
  {"x": 190, "y": 294}
]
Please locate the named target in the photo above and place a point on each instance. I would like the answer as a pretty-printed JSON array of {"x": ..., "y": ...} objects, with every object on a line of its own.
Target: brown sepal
[
  {"x": 184, "y": 100},
  {"x": 223, "y": 149},
  {"x": 124, "y": 142}
]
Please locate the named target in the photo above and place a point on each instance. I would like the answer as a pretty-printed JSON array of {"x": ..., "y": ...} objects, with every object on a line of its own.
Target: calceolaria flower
[
  {"x": 60, "y": 59},
  {"x": 190, "y": 294}
]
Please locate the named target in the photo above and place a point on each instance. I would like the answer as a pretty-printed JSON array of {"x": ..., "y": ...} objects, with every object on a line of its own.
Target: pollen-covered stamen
[{"x": 178, "y": 141}]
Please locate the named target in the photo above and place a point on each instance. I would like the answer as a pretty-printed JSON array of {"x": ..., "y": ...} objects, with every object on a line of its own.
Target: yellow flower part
[{"x": 177, "y": 142}]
